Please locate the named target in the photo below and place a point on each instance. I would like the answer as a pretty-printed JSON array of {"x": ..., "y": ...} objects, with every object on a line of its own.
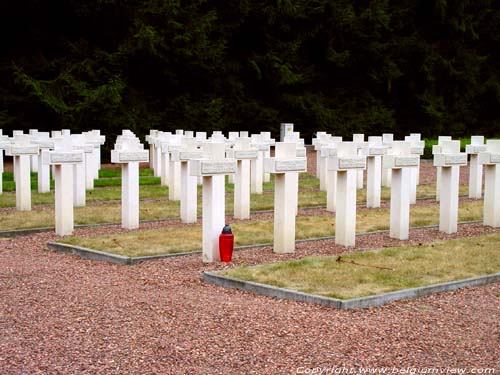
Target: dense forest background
[{"x": 340, "y": 66}]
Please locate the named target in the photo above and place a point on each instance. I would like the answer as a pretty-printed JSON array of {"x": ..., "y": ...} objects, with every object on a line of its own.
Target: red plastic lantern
[{"x": 226, "y": 244}]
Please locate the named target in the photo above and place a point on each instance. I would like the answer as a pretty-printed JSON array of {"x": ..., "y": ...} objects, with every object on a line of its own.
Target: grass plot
[
  {"x": 188, "y": 237},
  {"x": 381, "y": 271}
]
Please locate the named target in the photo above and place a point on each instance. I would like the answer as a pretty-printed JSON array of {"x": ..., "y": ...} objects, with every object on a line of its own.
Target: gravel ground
[
  {"x": 60, "y": 314},
  {"x": 64, "y": 315}
]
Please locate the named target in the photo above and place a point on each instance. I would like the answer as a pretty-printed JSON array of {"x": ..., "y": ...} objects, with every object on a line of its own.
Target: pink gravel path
[{"x": 60, "y": 314}]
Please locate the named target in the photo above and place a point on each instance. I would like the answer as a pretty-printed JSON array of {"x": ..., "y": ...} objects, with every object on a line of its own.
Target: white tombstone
[
  {"x": 95, "y": 139},
  {"x": 129, "y": 152},
  {"x": 15, "y": 133},
  {"x": 321, "y": 160},
  {"x": 359, "y": 139},
  {"x": 318, "y": 139},
  {"x": 449, "y": 159},
  {"x": 149, "y": 140},
  {"x": 21, "y": 150},
  {"x": 174, "y": 172},
  {"x": 257, "y": 165},
  {"x": 387, "y": 139},
  {"x": 188, "y": 183},
  {"x": 437, "y": 149},
  {"x": 400, "y": 161},
  {"x": 34, "y": 158},
  {"x": 80, "y": 170},
  {"x": 243, "y": 153},
  {"x": 285, "y": 129},
  {"x": 346, "y": 163},
  {"x": 217, "y": 137},
  {"x": 331, "y": 175},
  {"x": 4, "y": 142},
  {"x": 285, "y": 165},
  {"x": 213, "y": 172},
  {"x": 417, "y": 148},
  {"x": 45, "y": 143},
  {"x": 266, "y": 138},
  {"x": 163, "y": 138},
  {"x": 475, "y": 169},
  {"x": 490, "y": 160},
  {"x": 63, "y": 158},
  {"x": 374, "y": 171}
]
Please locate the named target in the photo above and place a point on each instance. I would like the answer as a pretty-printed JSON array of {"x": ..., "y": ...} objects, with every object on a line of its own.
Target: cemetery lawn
[
  {"x": 183, "y": 238},
  {"x": 101, "y": 208},
  {"x": 409, "y": 267},
  {"x": 108, "y": 188}
]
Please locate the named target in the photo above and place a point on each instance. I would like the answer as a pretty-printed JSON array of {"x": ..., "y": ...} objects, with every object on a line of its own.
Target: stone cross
[
  {"x": 387, "y": 140},
  {"x": 174, "y": 172},
  {"x": 4, "y": 142},
  {"x": 327, "y": 153},
  {"x": 80, "y": 170},
  {"x": 95, "y": 139},
  {"x": 34, "y": 158},
  {"x": 286, "y": 166},
  {"x": 15, "y": 133},
  {"x": 243, "y": 153},
  {"x": 63, "y": 158},
  {"x": 256, "y": 165},
  {"x": 149, "y": 140},
  {"x": 188, "y": 183},
  {"x": 217, "y": 137},
  {"x": 266, "y": 138},
  {"x": 449, "y": 159},
  {"x": 21, "y": 150},
  {"x": 285, "y": 129},
  {"x": 435, "y": 150},
  {"x": 375, "y": 151},
  {"x": 45, "y": 143},
  {"x": 490, "y": 160},
  {"x": 129, "y": 152},
  {"x": 213, "y": 173},
  {"x": 476, "y": 170},
  {"x": 359, "y": 139},
  {"x": 318, "y": 139},
  {"x": 163, "y": 138},
  {"x": 417, "y": 148},
  {"x": 400, "y": 161},
  {"x": 321, "y": 161},
  {"x": 347, "y": 163}
]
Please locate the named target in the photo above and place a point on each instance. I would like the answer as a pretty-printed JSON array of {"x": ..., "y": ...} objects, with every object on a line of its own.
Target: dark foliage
[{"x": 341, "y": 66}]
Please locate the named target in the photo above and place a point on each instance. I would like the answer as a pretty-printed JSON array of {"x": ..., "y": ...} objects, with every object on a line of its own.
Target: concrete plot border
[{"x": 347, "y": 304}]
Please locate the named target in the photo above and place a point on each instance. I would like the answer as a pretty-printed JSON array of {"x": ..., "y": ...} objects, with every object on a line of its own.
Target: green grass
[
  {"x": 186, "y": 238},
  {"x": 408, "y": 267}
]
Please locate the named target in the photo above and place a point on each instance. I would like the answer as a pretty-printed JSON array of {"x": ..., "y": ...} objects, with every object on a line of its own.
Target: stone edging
[{"x": 347, "y": 304}]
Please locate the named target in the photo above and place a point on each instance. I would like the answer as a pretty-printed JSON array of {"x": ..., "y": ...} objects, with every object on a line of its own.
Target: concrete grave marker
[
  {"x": 387, "y": 140},
  {"x": 213, "y": 173},
  {"x": 243, "y": 153},
  {"x": 435, "y": 150},
  {"x": 449, "y": 159},
  {"x": 417, "y": 148},
  {"x": 4, "y": 142},
  {"x": 188, "y": 183},
  {"x": 331, "y": 175},
  {"x": 21, "y": 150},
  {"x": 285, "y": 166},
  {"x": 400, "y": 161},
  {"x": 256, "y": 165},
  {"x": 79, "y": 174},
  {"x": 374, "y": 171},
  {"x": 490, "y": 160},
  {"x": 476, "y": 169},
  {"x": 359, "y": 139},
  {"x": 266, "y": 137},
  {"x": 45, "y": 143},
  {"x": 63, "y": 158},
  {"x": 34, "y": 158},
  {"x": 346, "y": 164},
  {"x": 129, "y": 152}
]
